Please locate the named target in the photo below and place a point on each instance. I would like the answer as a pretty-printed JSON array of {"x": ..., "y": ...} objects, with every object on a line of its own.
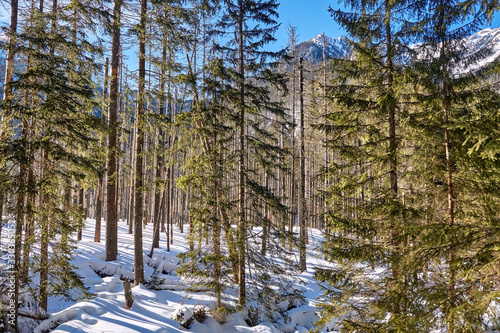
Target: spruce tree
[
  {"x": 367, "y": 219},
  {"x": 235, "y": 141},
  {"x": 53, "y": 110},
  {"x": 250, "y": 25},
  {"x": 454, "y": 94}
]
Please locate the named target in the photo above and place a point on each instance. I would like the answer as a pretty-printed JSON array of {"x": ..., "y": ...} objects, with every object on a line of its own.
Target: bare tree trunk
[
  {"x": 97, "y": 234},
  {"x": 302, "y": 176},
  {"x": 139, "y": 187},
  {"x": 80, "y": 222},
  {"x": 112, "y": 221},
  {"x": 265, "y": 227},
  {"x": 325, "y": 112},
  {"x": 171, "y": 202},
  {"x": 293, "y": 200},
  {"x": 131, "y": 199},
  {"x": 160, "y": 160},
  {"x": 451, "y": 203},
  {"x": 44, "y": 242},
  {"x": 242, "y": 227},
  {"x": 217, "y": 252}
]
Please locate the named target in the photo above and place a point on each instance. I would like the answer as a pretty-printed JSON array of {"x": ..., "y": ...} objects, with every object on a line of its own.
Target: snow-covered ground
[{"x": 155, "y": 310}]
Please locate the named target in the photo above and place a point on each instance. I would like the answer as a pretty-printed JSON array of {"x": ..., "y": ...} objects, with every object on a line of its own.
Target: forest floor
[{"x": 155, "y": 310}]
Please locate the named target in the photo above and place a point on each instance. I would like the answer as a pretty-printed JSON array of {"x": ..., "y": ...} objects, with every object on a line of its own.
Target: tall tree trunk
[
  {"x": 130, "y": 217},
  {"x": 46, "y": 219},
  {"x": 217, "y": 249},
  {"x": 391, "y": 109},
  {"x": 242, "y": 227},
  {"x": 293, "y": 196},
  {"x": 27, "y": 155},
  {"x": 7, "y": 96},
  {"x": 160, "y": 160},
  {"x": 302, "y": 174},
  {"x": 325, "y": 113},
  {"x": 44, "y": 242},
  {"x": 112, "y": 221},
  {"x": 20, "y": 213},
  {"x": 451, "y": 200},
  {"x": 138, "y": 188},
  {"x": 97, "y": 234}
]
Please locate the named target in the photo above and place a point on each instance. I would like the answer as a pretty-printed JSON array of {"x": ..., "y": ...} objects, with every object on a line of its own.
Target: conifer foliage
[
  {"x": 406, "y": 212},
  {"x": 48, "y": 146},
  {"x": 239, "y": 147}
]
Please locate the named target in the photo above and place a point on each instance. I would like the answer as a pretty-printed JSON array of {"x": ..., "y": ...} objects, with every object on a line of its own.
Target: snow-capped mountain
[{"x": 312, "y": 50}]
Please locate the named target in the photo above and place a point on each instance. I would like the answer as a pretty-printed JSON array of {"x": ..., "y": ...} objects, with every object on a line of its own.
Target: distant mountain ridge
[{"x": 312, "y": 50}]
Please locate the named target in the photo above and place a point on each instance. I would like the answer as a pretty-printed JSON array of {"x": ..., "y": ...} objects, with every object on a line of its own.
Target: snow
[{"x": 159, "y": 310}]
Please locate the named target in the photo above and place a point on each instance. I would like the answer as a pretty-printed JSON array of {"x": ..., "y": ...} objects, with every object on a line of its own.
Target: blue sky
[{"x": 311, "y": 17}]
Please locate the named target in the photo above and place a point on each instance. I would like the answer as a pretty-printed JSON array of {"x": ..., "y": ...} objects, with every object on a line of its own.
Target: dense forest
[{"x": 391, "y": 151}]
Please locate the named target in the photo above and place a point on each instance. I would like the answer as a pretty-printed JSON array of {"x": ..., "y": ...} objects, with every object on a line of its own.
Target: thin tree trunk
[
  {"x": 293, "y": 195},
  {"x": 172, "y": 205},
  {"x": 302, "y": 175},
  {"x": 139, "y": 187},
  {"x": 20, "y": 213},
  {"x": 97, "y": 234},
  {"x": 217, "y": 251},
  {"x": 451, "y": 202},
  {"x": 242, "y": 227},
  {"x": 325, "y": 113},
  {"x": 80, "y": 221},
  {"x": 131, "y": 206},
  {"x": 160, "y": 160},
  {"x": 265, "y": 227}
]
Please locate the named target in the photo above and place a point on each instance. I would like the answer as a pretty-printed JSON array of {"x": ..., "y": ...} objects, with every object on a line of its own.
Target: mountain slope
[
  {"x": 312, "y": 50},
  {"x": 484, "y": 38}
]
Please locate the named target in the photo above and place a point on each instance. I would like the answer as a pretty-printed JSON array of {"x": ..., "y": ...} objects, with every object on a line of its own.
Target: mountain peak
[{"x": 312, "y": 50}]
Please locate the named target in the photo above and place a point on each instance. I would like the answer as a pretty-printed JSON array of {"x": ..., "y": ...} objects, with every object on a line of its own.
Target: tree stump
[{"x": 128, "y": 294}]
